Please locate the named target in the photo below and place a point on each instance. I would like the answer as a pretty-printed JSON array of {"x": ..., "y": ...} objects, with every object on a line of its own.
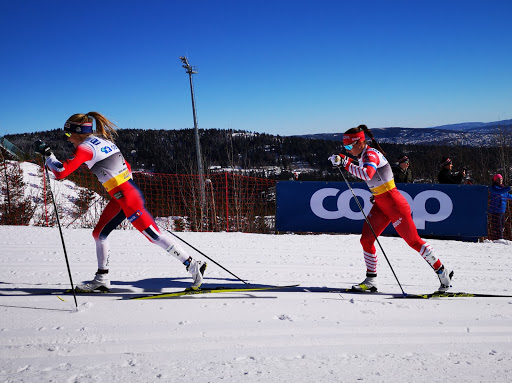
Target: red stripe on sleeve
[{"x": 82, "y": 153}]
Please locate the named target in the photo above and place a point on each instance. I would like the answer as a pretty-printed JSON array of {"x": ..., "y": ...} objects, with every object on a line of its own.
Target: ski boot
[
  {"x": 196, "y": 269},
  {"x": 445, "y": 277},
  {"x": 368, "y": 285},
  {"x": 100, "y": 283}
]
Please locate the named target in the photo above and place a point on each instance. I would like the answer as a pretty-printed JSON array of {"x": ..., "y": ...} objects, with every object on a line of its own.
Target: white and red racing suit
[
  {"x": 105, "y": 160},
  {"x": 390, "y": 206}
]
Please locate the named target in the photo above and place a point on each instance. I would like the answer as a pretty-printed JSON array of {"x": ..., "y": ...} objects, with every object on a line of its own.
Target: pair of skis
[{"x": 242, "y": 289}]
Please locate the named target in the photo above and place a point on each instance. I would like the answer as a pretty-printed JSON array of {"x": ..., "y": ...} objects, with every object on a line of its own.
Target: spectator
[
  {"x": 446, "y": 176},
  {"x": 498, "y": 206},
  {"x": 401, "y": 171}
]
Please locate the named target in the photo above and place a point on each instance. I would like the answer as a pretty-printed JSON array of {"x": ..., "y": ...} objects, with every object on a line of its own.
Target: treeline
[{"x": 174, "y": 152}]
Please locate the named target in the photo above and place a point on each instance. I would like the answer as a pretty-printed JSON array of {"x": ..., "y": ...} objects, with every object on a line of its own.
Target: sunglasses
[
  {"x": 68, "y": 134},
  {"x": 351, "y": 146}
]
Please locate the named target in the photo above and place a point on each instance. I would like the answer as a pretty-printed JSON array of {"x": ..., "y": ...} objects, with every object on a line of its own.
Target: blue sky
[{"x": 279, "y": 67}]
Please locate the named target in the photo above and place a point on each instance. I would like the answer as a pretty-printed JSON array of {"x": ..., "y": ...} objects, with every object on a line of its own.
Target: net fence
[{"x": 222, "y": 202}]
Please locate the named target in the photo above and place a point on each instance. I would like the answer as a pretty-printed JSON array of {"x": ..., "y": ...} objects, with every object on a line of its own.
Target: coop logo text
[{"x": 420, "y": 214}]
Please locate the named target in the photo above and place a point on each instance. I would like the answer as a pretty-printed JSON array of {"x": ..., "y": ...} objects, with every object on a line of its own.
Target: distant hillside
[
  {"x": 294, "y": 157},
  {"x": 468, "y": 134},
  {"x": 469, "y": 126}
]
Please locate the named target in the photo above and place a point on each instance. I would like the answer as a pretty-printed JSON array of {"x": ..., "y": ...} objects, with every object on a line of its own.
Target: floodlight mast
[{"x": 193, "y": 70}]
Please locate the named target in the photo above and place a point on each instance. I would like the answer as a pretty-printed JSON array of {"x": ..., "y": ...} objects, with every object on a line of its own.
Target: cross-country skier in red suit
[
  {"x": 99, "y": 152},
  {"x": 390, "y": 206}
]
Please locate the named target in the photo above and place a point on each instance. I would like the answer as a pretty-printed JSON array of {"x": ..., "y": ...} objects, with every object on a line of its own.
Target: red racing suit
[{"x": 390, "y": 207}]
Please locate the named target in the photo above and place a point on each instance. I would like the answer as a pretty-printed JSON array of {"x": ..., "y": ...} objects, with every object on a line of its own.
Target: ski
[
  {"x": 436, "y": 294},
  {"x": 342, "y": 291},
  {"x": 449, "y": 294},
  {"x": 210, "y": 291}
]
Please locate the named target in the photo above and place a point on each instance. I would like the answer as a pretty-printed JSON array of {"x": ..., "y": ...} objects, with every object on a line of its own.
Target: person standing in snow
[
  {"x": 498, "y": 206},
  {"x": 99, "y": 152},
  {"x": 389, "y": 206}
]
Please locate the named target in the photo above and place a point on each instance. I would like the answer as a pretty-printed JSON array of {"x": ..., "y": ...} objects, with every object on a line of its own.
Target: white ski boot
[
  {"x": 100, "y": 283},
  {"x": 196, "y": 269},
  {"x": 445, "y": 277},
  {"x": 368, "y": 285}
]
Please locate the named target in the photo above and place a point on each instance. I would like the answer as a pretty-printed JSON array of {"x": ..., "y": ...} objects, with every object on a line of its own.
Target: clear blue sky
[{"x": 279, "y": 67}]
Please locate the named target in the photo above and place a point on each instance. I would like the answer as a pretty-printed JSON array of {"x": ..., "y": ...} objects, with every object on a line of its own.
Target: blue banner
[{"x": 438, "y": 210}]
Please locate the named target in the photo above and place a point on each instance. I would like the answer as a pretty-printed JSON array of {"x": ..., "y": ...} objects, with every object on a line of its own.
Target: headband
[
  {"x": 77, "y": 127},
  {"x": 350, "y": 138},
  {"x": 403, "y": 159}
]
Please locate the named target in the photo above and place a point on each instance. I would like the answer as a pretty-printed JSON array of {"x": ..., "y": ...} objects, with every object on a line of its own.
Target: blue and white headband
[{"x": 77, "y": 127}]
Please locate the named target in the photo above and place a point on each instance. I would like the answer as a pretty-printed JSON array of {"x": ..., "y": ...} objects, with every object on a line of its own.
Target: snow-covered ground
[{"x": 268, "y": 336}]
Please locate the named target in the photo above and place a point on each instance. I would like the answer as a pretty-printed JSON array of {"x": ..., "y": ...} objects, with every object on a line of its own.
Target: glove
[
  {"x": 335, "y": 159},
  {"x": 340, "y": 159},
  {"x": 41, "y": 148}
]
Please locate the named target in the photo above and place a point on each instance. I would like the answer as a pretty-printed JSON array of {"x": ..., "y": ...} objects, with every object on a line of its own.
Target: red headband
[
  {"x": 350, "y": 138},
  {"x": 446, "y": 162}
]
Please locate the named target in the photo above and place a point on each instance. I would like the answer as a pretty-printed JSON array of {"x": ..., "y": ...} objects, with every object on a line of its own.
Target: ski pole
[
  {"x": 60, "y": 231},
  {"x": 373, "y": 232},
  {"x": 204, "y": 255}
]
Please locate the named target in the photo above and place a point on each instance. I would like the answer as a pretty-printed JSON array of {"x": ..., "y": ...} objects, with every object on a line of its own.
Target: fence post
[
  {"x": 227, "y": 202},
  {"x": 44, "y": 193},
  {"x": 9, "y": 215}
]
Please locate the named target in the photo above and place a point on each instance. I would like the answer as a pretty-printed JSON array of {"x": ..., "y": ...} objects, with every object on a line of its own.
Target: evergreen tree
[{"x": 15, "y": 207}]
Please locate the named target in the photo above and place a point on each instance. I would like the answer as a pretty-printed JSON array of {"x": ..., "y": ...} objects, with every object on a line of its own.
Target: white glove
[
  {"x": 335, "y": 159},
  {"x": 54, "y": 164}
]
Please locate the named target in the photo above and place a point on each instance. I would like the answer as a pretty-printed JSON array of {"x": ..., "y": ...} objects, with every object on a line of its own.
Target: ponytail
[
  {"x": 367, "y": 131},
  {"x": 104, "y": 127}
]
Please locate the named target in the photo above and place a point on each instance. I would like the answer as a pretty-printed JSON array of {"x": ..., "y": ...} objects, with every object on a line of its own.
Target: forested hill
[
  {"x": 259, "y": 154},
  {"x": 486, "y": 134},
  {"x": 174, "y": 151}
]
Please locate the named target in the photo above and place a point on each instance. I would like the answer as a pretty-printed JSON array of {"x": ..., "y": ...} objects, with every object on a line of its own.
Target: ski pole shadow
[
  {"x": 35, "y": 308},
  {"x": 158, "y": 285}
]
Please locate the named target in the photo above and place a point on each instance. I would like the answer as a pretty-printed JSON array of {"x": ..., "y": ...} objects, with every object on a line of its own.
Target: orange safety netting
[
  {"x": 229, "y": 202},
  {"x": 222, "y": 202},
  {"x": 499, "y": 216}
]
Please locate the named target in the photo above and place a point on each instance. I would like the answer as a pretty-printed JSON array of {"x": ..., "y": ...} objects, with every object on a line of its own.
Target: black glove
[{"x": 41, "y": 148}]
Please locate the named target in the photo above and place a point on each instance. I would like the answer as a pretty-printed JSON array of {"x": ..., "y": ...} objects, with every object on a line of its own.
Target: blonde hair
[{"x": 104, "y": 127}]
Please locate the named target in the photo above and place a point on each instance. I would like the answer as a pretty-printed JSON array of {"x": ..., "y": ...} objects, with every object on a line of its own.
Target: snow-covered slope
[
  {"x": 272, "y": 336},
  {"x": 66, "y": 192}
]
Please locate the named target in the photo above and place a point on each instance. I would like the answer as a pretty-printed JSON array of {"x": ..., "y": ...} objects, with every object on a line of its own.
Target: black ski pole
[
  {"x": 371, "y": 228},
  {"x": 204, "y": 255},
  {"x": 60, "y": 231}
]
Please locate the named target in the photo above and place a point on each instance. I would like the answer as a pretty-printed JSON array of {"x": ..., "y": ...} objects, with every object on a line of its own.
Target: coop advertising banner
[{"x": 438, "y": 210}]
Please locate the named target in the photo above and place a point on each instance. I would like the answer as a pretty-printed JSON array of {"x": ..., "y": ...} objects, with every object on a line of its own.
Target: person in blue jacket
[{"x": 498, "y": 206}]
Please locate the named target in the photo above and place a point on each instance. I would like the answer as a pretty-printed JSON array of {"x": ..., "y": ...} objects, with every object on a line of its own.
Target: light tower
[{"x": 193, "y": 70}]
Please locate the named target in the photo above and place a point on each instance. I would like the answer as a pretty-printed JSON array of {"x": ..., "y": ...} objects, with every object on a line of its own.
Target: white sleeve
[{"x": 54, "y": 164}]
